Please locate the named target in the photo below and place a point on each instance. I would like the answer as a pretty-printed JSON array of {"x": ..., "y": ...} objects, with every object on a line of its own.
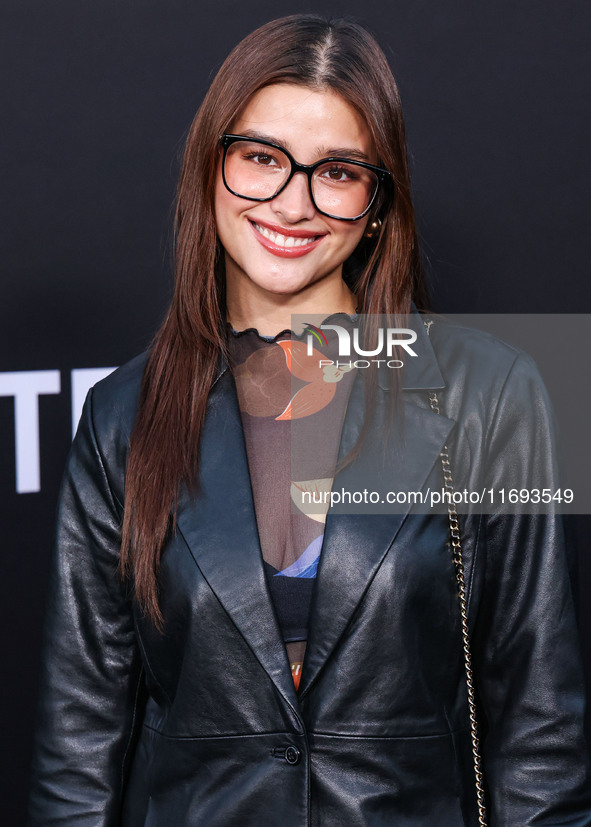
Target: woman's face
[{"x": 311, "y": 125}]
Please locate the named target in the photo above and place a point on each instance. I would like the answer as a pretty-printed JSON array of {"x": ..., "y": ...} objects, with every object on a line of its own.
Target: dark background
[{"x": 96, "y": 100}]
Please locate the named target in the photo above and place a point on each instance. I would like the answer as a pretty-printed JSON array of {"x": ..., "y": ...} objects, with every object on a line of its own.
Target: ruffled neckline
[{"x": 236, "y": 334}]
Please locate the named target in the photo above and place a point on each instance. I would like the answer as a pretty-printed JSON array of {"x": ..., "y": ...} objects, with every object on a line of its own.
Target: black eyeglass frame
[{"x": 383, "y": 175}]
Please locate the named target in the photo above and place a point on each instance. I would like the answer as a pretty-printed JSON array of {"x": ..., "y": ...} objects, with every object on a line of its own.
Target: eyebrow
[{"x": 322, "y": 151}]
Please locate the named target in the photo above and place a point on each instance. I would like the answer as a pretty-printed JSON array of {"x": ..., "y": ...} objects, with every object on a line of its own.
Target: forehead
[{"x": 305, "y": 121}]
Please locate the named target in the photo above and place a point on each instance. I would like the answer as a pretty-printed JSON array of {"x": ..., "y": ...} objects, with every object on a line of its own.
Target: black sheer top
[{"x": 293, "y": 392}]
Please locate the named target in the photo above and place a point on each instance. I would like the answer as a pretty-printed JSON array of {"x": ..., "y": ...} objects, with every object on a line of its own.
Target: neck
[{"x": 270, "y": 313}]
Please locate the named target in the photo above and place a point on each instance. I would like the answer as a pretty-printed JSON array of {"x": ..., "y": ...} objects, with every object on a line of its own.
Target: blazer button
[{"x": 292, "y": 754}]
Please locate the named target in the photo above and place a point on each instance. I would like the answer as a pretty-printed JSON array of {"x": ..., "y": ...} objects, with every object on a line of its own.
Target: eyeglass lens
[{"x": 342, "y": 189}]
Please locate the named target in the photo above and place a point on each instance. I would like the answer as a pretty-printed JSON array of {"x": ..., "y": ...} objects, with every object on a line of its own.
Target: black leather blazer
[{"x": 202, "y": 726}]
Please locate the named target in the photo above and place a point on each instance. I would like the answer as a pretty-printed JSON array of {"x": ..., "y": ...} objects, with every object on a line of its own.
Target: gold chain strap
[{"x": 456, "y": 546}]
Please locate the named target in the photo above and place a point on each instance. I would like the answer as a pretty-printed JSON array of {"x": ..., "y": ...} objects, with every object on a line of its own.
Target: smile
[{"x": 292, "y": 244}]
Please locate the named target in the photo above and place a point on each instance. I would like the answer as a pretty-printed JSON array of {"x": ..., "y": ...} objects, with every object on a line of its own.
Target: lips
[{"x": 285, "y": 243}]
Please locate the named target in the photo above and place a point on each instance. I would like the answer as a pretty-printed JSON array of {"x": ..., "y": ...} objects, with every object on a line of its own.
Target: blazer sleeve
[
  {"x": 91, "y": 675},
  {"x": 526, "y": 649}
]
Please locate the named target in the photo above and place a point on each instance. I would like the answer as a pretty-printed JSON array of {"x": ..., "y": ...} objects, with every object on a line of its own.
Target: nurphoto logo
[{"x": 394, "y": 337}]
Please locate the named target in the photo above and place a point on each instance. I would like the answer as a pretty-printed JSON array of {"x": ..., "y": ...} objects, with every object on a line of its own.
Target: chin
[
  {"x": 283, "y": 283},
  {"x": 284, "y": 287}
]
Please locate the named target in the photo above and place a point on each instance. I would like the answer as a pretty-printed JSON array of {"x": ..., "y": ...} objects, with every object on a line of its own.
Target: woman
[{"x": 189, "y": 574}]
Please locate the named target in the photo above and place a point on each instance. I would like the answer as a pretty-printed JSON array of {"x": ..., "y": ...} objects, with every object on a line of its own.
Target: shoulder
[
  {"x": 463, "y": 350},
  {"x": 480, "y": 368},
  {"x": 114, "y": 401},
  {"x": 104, "y": 431},
  {"x": 495, "y": 394}
]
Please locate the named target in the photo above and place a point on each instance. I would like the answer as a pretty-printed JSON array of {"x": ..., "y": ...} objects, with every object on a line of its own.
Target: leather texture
[{"x": 202, "y": 727}]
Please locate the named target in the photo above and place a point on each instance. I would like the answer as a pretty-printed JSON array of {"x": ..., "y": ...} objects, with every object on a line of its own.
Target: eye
[
  {"x": 263, "y": 159},
  {"x": 339, "y": 173}
]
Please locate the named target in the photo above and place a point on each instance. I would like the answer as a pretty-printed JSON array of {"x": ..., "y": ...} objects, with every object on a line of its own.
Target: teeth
[{"x": 283, "y": 240}]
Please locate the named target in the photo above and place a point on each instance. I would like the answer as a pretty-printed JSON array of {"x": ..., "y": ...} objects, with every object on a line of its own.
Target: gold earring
[{"x": 373, "y": 229}]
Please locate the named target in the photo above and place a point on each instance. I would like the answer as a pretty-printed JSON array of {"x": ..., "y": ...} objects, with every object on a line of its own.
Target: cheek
[
  {"x": 350, "y": 235},
  {"x": 224, "y": 211},
  {"x": 219, "y": 199}
]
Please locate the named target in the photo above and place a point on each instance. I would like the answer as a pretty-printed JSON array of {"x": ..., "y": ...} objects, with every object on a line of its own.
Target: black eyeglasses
[{"x": 339, "y": 188}]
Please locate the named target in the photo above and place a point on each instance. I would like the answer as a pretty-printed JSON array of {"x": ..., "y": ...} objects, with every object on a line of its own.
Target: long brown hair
[{"x": 384, "y": 275}]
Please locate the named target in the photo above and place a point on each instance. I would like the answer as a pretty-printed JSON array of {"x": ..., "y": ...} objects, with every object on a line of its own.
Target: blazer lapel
[
  {"x": 355, "y": 543},
  {"x": 219, "y": 526}
]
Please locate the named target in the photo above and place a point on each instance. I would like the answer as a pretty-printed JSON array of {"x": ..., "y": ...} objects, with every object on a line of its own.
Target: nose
[{"x": 294, "y": 204}]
